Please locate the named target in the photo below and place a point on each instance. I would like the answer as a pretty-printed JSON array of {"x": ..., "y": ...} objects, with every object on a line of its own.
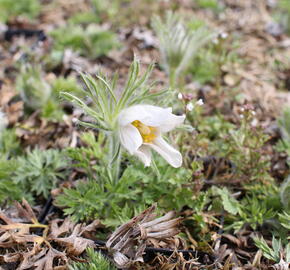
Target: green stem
[
  {"x": 114, "y": 156},
  {"x": 172, "y": 79}
]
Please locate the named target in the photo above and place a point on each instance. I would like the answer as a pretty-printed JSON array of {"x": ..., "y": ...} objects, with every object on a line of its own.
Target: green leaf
[
  {"x": 284, "y": 219},
  {"x": 26, "y": 8},
  {"x": 89, "y": 41},
  {"x": 285, "y": 193},
  {"x": 40, "y": 171},
  {"x": 95, "y": 261},
  {"x": 267, "y": 251},
  {"x": 230, "y": 204}
]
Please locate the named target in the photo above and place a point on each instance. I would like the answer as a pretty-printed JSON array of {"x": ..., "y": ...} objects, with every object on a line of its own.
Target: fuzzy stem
[
  {"x": 114, "y": 156},
  {"x": 172, "y": 78}
]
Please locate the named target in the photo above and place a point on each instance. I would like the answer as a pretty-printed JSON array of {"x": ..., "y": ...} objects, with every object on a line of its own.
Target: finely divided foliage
[
  {"x": 96, "y": 261},
  {"x": 109, "y": 153},
  {"x": 40, "y": 171}
]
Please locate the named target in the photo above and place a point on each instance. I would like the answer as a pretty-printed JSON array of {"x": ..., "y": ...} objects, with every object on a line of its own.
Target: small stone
[
  {"x": 275, "y": 29},
  {"x": 230, "y": 79}
]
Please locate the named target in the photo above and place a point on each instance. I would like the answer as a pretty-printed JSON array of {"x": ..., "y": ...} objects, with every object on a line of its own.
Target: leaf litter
[
  {"x": 28, "y": 244},
  {"x": 31, "y": 244}
]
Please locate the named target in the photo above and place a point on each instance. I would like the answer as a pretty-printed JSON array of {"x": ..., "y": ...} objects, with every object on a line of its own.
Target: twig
[{"x": 151, "y": 253}]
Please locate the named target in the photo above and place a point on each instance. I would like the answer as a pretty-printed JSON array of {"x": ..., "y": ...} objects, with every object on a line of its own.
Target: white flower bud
[
  {"x": 224, "y": 35},
  {"x": 189, "y": 106},
  {"x": 254, "y": 122}
]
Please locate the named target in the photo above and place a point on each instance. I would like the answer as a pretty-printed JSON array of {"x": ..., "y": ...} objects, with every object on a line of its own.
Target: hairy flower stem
[
  {"x": 176, "y": 81},
  {"x": 114, "y": 157},
  {"x": 172, "y": 78}
]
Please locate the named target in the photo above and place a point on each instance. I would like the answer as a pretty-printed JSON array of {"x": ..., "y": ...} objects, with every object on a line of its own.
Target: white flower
[
  {"x": 141, "y": 128},
  {"x": 189, "y": 106},
  {"x": 224, "y": 35},
  {"x": 199, "y": 102},
  {"x": 253, "y": 113},
  {"x": 180, "y": 96}
]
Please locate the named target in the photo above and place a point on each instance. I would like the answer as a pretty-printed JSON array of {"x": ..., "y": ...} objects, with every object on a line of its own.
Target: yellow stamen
[{"x": 147, "y": 132}]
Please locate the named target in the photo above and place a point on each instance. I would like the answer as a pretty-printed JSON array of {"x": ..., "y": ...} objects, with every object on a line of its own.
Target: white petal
[
  {"x": 199, "y": 102},
  {"x": 171, "y": 155},
  {"x": 144, "y": 154},
  {"x": 147, "y": 114},
  {"x": 130, "y": 138},
  {"x": 172, "y": 122}
]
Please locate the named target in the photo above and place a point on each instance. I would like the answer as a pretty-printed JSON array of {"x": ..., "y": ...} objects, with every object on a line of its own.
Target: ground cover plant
[{"x": 144, "y": 134}]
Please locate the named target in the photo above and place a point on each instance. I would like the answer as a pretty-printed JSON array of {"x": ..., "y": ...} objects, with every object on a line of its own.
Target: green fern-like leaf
[
  {"x": 9, "y": 191},
  {"x": 40, "y": 171},
  {"x": 95, "y": 261},
  {"x": 90, "y": 41},
  {"x": 9, "y": 144},
  {"x": 11, "y": 8},
  {"x": 100, "y": 198}
]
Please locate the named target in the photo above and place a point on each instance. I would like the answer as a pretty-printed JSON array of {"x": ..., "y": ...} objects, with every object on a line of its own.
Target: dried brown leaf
[
  {"x": 56, "y": 231},
  {"x": 25, "y": 211},
  {"x": 10, "y": 258},
  {"x": 74, "y": 244},
  {"x": 36, "y": 251},
  {"x": 46, "y": 262}
]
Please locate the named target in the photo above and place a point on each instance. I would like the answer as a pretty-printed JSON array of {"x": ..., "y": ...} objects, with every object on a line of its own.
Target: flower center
[{"x": 147, "y": 133}]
